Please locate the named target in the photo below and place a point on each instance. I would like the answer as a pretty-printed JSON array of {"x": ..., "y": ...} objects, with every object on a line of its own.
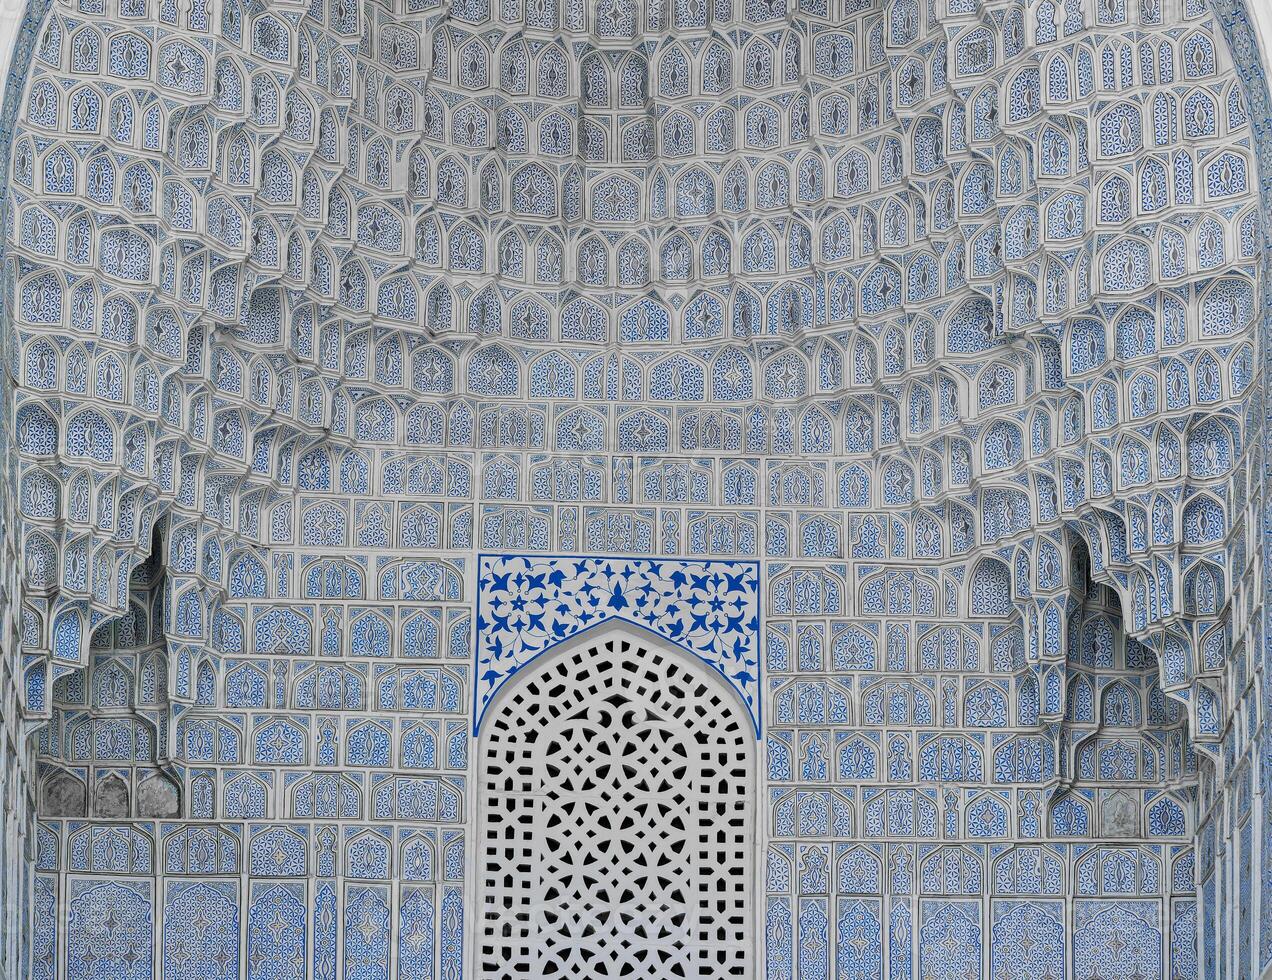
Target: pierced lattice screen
[{"x": 617, "y": 807}]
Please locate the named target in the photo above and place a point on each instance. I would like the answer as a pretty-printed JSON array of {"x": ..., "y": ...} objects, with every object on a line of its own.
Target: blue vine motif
[{"x": 527, "y": 604}]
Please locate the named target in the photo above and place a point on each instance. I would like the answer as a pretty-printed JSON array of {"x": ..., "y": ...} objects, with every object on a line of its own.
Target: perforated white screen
[{"x": 617, "y": 801}]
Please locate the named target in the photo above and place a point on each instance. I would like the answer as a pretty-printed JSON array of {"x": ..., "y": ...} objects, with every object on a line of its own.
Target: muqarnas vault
[{"x": 697, "y": 488}]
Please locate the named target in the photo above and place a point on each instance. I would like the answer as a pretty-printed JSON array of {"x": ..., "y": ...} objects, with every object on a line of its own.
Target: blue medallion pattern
[
  {"x": 110, "y": 931},
  {"x": 1117, "y": 939},
  {"x": 526, "y": 605},
  {"x": 1027, "y": 940},
  {"x": 201, "y": 930},
  {"x": 277, "y": 933}
]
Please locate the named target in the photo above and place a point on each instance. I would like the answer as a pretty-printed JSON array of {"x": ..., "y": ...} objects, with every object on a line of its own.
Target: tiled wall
[{"x": 898, "y": 362}]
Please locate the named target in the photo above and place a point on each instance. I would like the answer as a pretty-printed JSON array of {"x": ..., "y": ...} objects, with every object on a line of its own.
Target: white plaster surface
[
  {"x": 10, "y": 18},
  {"x": 1261, "y": 13}
]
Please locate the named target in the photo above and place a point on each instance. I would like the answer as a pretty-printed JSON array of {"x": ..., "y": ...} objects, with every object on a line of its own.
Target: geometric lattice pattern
[
  {"x": 617, "y": 817},
  {"x": 898, "y": 363}
]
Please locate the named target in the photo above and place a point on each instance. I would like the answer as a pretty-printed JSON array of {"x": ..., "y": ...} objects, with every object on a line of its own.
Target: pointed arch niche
[{"x": 616, "y": 817}]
